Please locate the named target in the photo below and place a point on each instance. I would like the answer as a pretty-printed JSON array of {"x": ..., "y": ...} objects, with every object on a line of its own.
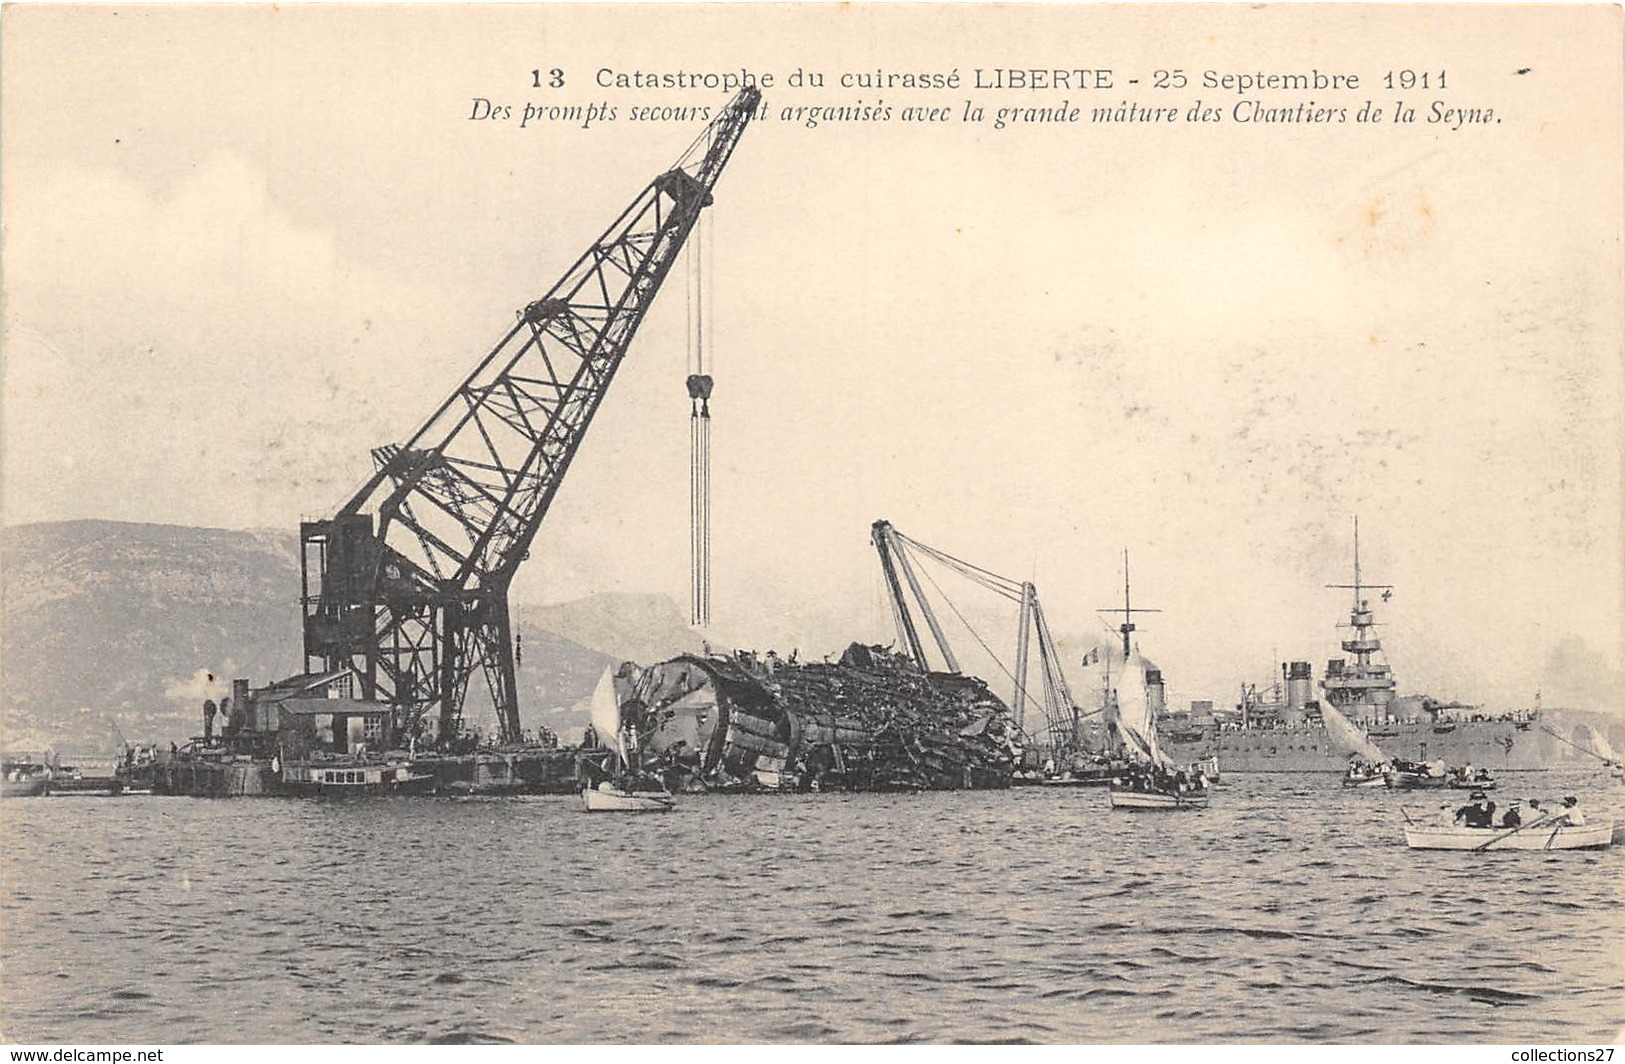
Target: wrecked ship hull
[{"x": 870, "y": 722}]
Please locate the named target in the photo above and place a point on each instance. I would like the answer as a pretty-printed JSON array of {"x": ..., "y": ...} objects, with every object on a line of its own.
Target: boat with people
[
  {"x": 1468, "y": 778},
  {"x": 1368, "y": 765},
  {"x": 1364, "y": 773},
  {"x": 625, "y": 786},
  {"x": 24, "y": 778},
  {"x": 1413, "y": 775},
  {"x": 1475, "y": 827},
  {"x": 1150, "y": 778},
  {"x": 1533, "y": 836},
  {"x": 1159, "y": 787}
]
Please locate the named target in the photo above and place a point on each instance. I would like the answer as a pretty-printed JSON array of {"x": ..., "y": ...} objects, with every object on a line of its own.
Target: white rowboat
[
  {"x": 1534, "y": 837},
  {"x": 1157, "y": 800},
  {"x": 615, "y": 801}
]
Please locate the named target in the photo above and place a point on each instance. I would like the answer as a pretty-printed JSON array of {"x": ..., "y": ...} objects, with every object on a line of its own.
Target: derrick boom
[{"x": 408, "y": 583}]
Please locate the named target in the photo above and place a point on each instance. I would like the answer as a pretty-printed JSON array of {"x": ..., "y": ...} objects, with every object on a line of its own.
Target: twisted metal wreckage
[
  {"x": 871, "y": 721},
  {"x": 877, "y": 719}
]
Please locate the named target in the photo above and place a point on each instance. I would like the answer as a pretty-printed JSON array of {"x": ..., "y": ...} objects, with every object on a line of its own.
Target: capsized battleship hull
[{"x": 872, "y": 721}]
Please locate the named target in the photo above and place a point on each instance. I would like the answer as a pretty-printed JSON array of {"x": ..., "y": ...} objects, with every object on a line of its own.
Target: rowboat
[
  {"x": 1126, "y": 799},
  {"x": 607, "y": 798},
  {"x": 1535, "y": 836},
  {"x": 1405, "y": 779},
  {"x": 24, "y": 779}
]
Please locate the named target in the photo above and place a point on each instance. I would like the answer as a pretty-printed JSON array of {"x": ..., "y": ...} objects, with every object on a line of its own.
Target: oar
[
  {"x": 1521, "y": 827},
  {"x": 1406, "y": 813}
]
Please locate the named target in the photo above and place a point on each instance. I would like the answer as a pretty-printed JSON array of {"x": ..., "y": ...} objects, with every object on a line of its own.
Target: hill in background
[{"x": 106, "y": 622}]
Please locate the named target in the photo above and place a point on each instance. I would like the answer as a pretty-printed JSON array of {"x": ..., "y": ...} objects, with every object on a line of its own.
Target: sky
[{"x": 244, "y": 246}]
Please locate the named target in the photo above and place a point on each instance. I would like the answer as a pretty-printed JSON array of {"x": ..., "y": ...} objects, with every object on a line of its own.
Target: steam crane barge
[{"x": 405, "y": 588}]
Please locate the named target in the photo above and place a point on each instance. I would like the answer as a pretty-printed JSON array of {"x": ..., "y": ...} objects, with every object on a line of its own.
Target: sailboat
[
  {"x": 1603, "y": 752},
  {"x": 1367, "y": 763},
  {"x": 1153, "y": 781},
  {"x": 625, "y": 790}
]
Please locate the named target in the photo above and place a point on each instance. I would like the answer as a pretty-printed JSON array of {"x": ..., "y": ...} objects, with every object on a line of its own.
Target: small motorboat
[
  {"x": 607, "y": 797},
  {"x": 1536, "y": 835}
]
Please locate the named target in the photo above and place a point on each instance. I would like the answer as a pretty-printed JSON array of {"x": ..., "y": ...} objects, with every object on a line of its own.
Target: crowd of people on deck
[{"x": 1479, "y": 812}]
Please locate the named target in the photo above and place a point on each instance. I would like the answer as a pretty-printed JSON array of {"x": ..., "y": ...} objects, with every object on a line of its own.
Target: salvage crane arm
[
  {"x": 1062, "y": 716},
  {"x": 417, "y": 603}
]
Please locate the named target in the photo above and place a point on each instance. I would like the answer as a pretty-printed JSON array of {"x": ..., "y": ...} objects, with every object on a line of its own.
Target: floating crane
[
  {"x": 407, "y": 584},
  {"x": 899, "y": 557}
]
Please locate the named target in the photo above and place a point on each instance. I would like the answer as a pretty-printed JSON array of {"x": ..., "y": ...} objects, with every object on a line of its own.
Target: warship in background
[{"x": 1282, "y": 729}]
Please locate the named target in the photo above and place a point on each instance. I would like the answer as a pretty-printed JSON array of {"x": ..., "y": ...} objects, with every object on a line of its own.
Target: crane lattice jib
[
  {"x": 459, "y": 504},
  {"x": 495, "y": 452}
]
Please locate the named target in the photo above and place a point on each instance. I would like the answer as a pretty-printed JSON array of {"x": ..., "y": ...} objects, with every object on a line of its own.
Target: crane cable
[
  {"x": 699, "y": 430},
  {"x": 968, "y": 627},
  {"x": 1003, "y": 585}
]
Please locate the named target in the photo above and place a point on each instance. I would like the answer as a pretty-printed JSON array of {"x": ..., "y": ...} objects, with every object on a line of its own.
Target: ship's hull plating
[{"x": 1509, "y": 745}]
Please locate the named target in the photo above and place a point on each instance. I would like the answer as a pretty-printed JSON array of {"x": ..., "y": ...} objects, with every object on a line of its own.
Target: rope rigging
[{"x": 901, "y": 554}]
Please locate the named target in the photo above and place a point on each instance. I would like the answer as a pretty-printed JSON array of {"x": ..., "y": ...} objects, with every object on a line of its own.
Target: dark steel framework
[
  {"x": 898, "y": 556},
  {"x": 408, "y": 583}
]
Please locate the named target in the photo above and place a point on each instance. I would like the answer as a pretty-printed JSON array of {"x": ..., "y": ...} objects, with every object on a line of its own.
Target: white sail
[
  {"x": 1132, "y": 712},
  {"x": 606, "y": 710},
  {"x": 1349, "y": 739}
]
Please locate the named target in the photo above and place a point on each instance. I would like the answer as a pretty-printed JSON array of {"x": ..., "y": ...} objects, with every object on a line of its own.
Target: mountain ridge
[{"x": 135, "y": 623}]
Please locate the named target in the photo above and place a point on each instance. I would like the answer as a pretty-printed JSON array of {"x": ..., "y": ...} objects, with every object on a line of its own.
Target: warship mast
[{"x": 1362, "y": 684}]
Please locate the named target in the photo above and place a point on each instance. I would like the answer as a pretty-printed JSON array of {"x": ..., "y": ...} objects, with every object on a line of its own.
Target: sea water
[{"x": 1288, "y": 911}]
